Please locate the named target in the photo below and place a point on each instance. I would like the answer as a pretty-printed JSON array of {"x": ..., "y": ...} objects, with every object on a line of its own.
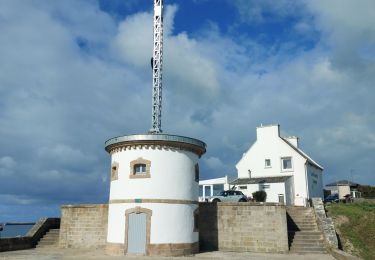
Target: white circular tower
[{"x": 153, "y": 201}]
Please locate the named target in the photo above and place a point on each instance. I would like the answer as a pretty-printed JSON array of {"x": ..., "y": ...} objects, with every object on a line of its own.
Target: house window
[
  {"x": 264, "y": 186},
  {"x": 267, "y": 163},
  {"x": 207, "y": 191},
  {"x": 140, "y": 168},
  {"x": 286, "y": 163},
  {"x": 243, "y": 187},
  {"x": 217, "y": 188}
]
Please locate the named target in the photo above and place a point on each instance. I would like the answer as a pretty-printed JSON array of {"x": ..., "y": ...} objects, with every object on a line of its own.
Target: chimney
[
  {"x": 268, "y": 131},
  {"x": 293, "y": 140}
]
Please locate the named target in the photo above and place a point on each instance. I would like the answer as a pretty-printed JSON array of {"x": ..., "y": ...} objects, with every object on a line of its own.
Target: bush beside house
[{"x": 260, "y": 196}]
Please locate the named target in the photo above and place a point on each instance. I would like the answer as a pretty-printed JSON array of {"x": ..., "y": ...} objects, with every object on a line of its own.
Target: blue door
[{"x": 137, "y": 233}]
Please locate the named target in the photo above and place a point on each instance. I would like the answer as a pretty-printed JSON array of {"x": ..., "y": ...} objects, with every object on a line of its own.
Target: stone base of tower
[{"x": 171, "y": 249}]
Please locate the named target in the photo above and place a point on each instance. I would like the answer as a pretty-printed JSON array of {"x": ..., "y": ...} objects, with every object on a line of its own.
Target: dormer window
[
  {"x": 267, "y": 163},
  {"x": 140, "y": 168}
]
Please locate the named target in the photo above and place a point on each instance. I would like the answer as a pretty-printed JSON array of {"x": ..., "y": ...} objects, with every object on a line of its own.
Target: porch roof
[{"x": 275, "y": 179}]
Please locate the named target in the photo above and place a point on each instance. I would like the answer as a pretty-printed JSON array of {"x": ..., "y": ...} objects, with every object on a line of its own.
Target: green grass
[{"x": 360, "y": 227}]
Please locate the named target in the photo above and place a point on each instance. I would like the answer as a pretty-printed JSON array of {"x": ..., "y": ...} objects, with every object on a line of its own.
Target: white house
[{"x": 278, "y": 166}]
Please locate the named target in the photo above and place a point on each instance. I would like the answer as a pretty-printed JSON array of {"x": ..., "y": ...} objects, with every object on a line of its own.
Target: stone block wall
[
  {"x": 243, "y": 227},
  {"x": 83, "y": 226},
  {"x": 325, "y": 224}
]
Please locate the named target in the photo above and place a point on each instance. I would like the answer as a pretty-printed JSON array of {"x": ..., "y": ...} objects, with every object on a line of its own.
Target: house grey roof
[
  {"x": 342, "y": 182},
  {"x": 304, "y": 155},
  {"x": 240, "y": 181}
]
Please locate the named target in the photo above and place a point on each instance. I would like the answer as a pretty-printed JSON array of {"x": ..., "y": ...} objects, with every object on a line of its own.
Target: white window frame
[
  {"x": 140, "y": 166},
  {"x": 282, "y": 163},
  {"x": 265, "y": 163}
]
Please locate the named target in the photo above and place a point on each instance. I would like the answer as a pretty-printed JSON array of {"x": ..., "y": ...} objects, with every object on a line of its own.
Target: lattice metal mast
[{"x": 157, "y": 67}]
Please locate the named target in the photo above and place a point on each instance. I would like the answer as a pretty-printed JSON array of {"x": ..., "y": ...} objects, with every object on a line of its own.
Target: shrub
[{"x": 260, "y": 196}]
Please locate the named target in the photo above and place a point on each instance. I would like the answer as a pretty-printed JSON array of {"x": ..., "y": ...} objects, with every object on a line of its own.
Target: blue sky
[{"x": 75, "y": 73}]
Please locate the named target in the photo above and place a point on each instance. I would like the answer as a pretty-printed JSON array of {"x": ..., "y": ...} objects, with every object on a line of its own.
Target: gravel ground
[{"x": 93, "y": 254}]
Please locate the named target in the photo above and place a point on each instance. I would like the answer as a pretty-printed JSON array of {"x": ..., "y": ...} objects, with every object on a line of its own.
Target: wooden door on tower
[{"x": 137, "y": 233}]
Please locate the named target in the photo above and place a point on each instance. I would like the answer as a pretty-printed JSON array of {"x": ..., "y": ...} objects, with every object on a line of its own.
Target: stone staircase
[
  {"x": 303, "y": 233},
  {"x": 50, "y": 239}
]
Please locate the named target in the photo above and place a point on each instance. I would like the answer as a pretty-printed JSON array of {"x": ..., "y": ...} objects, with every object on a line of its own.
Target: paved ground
[{"x": 90, "y": 254}]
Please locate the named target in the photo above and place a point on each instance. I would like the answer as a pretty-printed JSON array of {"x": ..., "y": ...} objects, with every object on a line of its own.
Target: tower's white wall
[
  {"x": 172, "y": 174},
  {"x": 170, "y": 223}
]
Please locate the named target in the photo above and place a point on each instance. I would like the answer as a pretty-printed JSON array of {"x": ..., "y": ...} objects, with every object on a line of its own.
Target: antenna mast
[{"x": 157, "y": 64}]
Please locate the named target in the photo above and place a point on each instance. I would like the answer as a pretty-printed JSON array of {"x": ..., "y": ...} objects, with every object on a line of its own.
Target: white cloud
[
  {"x": 186, "y": 66},
  {"x": 214, "y": 163},
  {"x": 7, "y": 162}
]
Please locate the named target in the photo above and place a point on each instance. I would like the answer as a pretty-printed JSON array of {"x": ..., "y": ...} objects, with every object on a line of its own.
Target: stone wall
[
  {"x": 325, "y": 224},
  {"x": 83, "y": 226},
  {"x": 243, "y": 227}
]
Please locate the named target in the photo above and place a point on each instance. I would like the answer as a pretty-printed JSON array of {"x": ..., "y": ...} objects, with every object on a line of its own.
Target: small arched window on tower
[
  {"x": 114, "y": 171},
  {"x": 196, "y": 175},
  {"x": 140, "y": 168}
]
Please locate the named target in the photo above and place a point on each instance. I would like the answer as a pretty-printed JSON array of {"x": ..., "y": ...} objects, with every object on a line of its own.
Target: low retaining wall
[
  {"x": 222, "y": 226},
  {"x": 83, "y": 226},
  {"x": 243, "y": 227},
  {"x": 325, "y": 224},
  {"x": 31, "y": 238}
]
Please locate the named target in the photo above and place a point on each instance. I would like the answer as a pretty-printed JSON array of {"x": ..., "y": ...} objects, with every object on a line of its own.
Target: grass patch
[{"x": 356, "y": 222}]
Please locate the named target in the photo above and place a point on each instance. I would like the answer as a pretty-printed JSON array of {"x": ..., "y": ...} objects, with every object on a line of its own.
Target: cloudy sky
[{"x": 75, "y": 73}]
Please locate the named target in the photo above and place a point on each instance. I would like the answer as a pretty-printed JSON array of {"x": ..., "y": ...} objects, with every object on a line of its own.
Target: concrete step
[
  {"x": 54, "y": 230},
  {"x": 312, "y": 235},
  {"x": 43, "y": 243},
  {"x": 50, "y": 239},
  {"x": 310, "y": 242},
  {"x": 301, "y": 222},
  {"x": 303, "y": 227},
  {"x": 308, "y": 251}
]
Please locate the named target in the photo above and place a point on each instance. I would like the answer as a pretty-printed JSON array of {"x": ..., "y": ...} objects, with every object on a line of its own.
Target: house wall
[
  {"x": 289, "y": 191},
  {"x": 270, "y": 146},
  {"x": 343, "y": 190},
  {"x": 315, "y": 182},
  {"x": 272, "y": 192}
]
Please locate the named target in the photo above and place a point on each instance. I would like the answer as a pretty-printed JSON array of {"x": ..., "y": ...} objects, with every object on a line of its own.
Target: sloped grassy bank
[{"x": 355, "y": 224}]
